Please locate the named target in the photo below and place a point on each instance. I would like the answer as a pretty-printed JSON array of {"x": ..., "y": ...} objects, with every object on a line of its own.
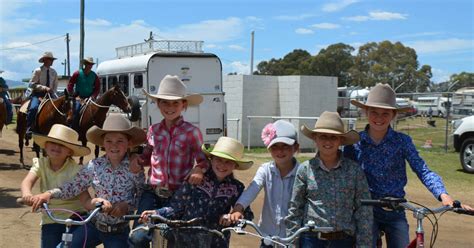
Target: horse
[
  {"x": 94, "y": 113},
  {"x": 3, "y": 115},
  {"x": 50, "y": 112}
]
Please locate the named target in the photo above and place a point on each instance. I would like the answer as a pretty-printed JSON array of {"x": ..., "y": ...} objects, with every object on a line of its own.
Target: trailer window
[
  {"x": 123, "y": 83},
  {"x": 111, "y": 82},
  {"x": 103, "y": 84},
  {"x": 138, "y": 81}
]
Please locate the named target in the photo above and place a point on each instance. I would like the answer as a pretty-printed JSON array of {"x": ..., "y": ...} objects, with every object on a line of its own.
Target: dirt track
[{"x": 454, "y": 230}]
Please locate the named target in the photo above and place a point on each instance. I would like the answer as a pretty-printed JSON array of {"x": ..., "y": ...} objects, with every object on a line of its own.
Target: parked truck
[
  {"x": 142, "y": 66},
  {"x": 463, "y": 141}
]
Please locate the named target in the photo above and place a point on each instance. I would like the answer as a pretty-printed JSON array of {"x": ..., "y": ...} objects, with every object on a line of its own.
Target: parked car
[{"x": 464, "y": 142}]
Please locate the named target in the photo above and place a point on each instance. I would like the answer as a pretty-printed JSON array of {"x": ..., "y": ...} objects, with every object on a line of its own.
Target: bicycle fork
[{"x": 419, "y": 241}]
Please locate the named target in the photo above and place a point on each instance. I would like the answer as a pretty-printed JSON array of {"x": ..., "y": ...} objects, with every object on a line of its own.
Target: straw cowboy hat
[
  {"x": 381, "y": 96},
  {"x": 331, "y": 123},
  {"x": 46, "y": 55},
  {"x": 115, "y": 122},
  {"x": 172, "y": 88},
  {"x": 65, "y": 136},
  {"x": 230, "y": 149},
  {"x": 88, "y": 60}
]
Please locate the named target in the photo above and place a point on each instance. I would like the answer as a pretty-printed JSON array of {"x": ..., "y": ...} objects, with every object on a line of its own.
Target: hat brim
[
  {"x": 241, "y": 164},
  {"x": 366, "y": 106},
  {"x": 284, "y": 140},
  {"x": 192, "y": 99},
  {"x": 349, "y": 138},
  {"x": 42, "y": 59},
  {"x": 77, "y": 149},
  {"x": 95, "y": 135}
]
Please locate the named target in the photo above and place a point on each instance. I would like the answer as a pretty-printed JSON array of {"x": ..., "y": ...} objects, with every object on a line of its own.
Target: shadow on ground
[{"x": 8, "y": 200}]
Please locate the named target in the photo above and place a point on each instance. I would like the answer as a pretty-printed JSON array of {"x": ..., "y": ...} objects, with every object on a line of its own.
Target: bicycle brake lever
[{"x": 456, "y": 204}]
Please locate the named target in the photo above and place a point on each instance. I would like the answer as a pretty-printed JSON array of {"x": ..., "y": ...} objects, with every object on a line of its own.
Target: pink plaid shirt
[{"x": 172, "y": 153}]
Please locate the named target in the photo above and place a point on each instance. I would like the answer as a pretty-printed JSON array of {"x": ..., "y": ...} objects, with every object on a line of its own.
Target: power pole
[
  {"x": 251, "y": 52},
  {"x": 68, "y": 61},
  {"x": 81, "y": 46}
]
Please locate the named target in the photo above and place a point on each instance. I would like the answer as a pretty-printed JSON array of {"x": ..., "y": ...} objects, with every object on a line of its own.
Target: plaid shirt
[
  {"x": 172, "y": 153},
  {"x": 331, "y": 198}
]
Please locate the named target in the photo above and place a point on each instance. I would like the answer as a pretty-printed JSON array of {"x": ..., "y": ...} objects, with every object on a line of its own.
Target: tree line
[{"x": 383, "y": 62}]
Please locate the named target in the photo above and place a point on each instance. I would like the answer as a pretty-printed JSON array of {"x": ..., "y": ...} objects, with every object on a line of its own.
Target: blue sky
[{"x": 442, "y": 32}]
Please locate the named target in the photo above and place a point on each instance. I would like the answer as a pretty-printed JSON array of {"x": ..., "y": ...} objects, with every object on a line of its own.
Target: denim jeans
[
  {"x": 32, "y": 110},
  {"x": 395, "y": 226},
  {"x": 149, "y": 201},
  {"x": 51, "y": 234},
  {"x": 76, "y": 109},
  {"x": 96, "y": 237},
  {"x": 310, "y": 240}
]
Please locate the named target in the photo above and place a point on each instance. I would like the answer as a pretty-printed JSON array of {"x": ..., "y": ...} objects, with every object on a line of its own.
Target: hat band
[{"x": 226, "y": 154}]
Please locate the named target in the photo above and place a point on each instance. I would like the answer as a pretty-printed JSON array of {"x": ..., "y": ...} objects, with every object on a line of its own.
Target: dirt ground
[{"x": 454, "y": 230}]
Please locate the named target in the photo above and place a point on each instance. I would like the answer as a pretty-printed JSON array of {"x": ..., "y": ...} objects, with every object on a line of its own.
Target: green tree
[
  {"x": 336, "y": 60},
  {"x": 292, "y": 64}
]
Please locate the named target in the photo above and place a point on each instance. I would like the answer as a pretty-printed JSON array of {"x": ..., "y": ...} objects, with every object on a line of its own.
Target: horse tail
[{"x": 136, "y": 113}]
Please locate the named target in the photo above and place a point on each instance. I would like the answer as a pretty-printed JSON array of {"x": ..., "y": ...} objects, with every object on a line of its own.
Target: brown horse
[
  {"x": 95, "y": 112},
  {"x": 3, "y": 115},
  {"x": 51, "y": 111}
]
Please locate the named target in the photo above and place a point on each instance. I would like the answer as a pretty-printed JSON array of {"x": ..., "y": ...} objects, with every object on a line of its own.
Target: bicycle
[
  {"x": 67, "y": 236},
  {"x": 419, "y": 213},
  {"x": 179, "y": 230},
  {"x": 276, "y": 241}
]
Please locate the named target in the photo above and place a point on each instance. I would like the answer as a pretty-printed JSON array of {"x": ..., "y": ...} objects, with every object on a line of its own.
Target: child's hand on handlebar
[
  {"x": 38, "y": 200},
  {"x": 27, "y": 200},
  {"x": 145, "y": 215},
  {"x": 447, "y": 200},
  {"x": 106, "y": 205}
]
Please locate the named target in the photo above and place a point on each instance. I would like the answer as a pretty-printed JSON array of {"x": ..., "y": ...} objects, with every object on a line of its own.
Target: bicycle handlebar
[
  {"x": 401, "y": 203},
  {"x": 160, "y": 219},
  {"x": 309, "y": 227},
  {"x": 68, "y": 222}
]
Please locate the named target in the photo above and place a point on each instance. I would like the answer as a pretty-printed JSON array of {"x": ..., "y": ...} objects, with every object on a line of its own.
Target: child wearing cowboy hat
[
  {"x": 382, "y": 153},
  {"x": 173, "y": 149},
  {"x": 53, "y": 170},
  {"x": 213, "y": 199},
  {"x": 110, "y": 177},
  {"x": 328, "y": 189},
  {"x": 275, "y": 177}
]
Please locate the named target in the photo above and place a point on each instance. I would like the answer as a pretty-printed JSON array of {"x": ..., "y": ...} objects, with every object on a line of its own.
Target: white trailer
[
  {"x": 200, "y": 72},
  {"x": 437, "y": 104}
]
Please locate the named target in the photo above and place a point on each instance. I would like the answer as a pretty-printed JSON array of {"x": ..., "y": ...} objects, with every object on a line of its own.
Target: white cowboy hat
[
  {"x": 46, "y": 55},
  {"x": 115, "y": 122},
  {"x": 331, "y": 123},
  {"x": 381, "y": 96},
  {"x": 230, "y": 149},
  {"x": 172, "y": 88},
  {"x": 88, "y": 60},
  {"x": 62, "y": 135}
]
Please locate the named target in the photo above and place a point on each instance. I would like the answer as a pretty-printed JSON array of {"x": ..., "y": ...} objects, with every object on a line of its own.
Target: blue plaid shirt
[{"x": 385, "y": 167}]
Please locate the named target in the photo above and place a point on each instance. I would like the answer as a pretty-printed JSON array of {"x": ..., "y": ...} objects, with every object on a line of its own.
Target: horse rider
[
  {"x": 83, "y": 84},
  {"x": 44, "y": 80},
  {"x": 6, "y": 98}
]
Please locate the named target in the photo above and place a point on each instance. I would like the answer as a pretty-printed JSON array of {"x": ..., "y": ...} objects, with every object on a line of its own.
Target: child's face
[
  {"x": 282, "y": 153},
  {"x": 57, "y": 151},
  {"x": 171, "y": 109},
  {"x": 328, "y": 144},
  {"x": 222, "y": 167},
  {"x": 379, "y": 118},
  {"x": 116, "y": 145}
]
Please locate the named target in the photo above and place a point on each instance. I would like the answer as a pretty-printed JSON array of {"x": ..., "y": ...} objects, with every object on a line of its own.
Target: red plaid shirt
[{"x": 172, "y": 153}]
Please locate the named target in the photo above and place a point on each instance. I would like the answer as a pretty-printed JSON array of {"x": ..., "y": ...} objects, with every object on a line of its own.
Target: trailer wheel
[{"x": 467, "y": 155}]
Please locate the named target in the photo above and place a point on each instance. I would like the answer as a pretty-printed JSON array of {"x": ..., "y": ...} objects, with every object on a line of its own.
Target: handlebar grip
[
  {"x": 131, "y": 217},
  {"x": 20, "y": 201},
  {"x": 371, "y": 202},
  {"x": 463, "y": 211}
]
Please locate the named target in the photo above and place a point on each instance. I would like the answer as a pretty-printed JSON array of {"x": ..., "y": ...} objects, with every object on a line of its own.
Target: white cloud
[
  {"x": 89, "y": 22},
  {"x": 237, "y": 66},
  {"x": 325, "y": 25},
  {"x": 436, "y": 46},
  {"x": 377, "y": 16},
  {"x": 333, "y": 7},
  {"x": 440, "y": 75},
  {"x": 419, "y": 34},
  {"x": 236, "y": 47},
  {"x": 294, "y": 17},
  {"x": 304, "y": 31}
]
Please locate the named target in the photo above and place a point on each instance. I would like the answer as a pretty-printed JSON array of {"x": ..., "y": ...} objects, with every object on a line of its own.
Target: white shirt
[
  {"x": 277, "y": 197},
  {"x": 39, "y": 77}
]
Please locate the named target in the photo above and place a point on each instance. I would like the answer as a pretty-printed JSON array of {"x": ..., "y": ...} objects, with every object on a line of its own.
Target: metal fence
[{"x": 160, "y": 46}]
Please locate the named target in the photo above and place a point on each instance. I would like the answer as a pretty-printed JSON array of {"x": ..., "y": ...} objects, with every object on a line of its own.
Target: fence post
[{"x": 248, "y": 134}]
